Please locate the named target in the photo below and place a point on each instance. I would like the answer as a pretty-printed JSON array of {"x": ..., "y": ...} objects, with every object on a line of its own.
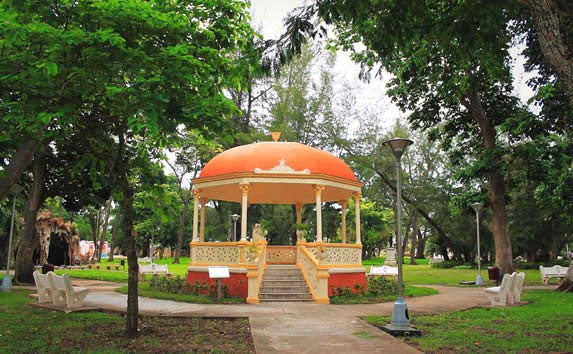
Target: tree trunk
[
  {"x": 22, "y": 158},
  {"x": 114, "y": 234},
  {"x": 552, "y": 19},
  {"x": 104, "y": 228},
  {"x": 415, "y": 228},
  {"x": 421, "y": 245},
  {"x": 24, "y": 267},
  {"x": 496, "y": 185},
  {"x": 567, "y": 284},
  {"x": 181, "y": 231},
  {"x": 132, "y": 280}
]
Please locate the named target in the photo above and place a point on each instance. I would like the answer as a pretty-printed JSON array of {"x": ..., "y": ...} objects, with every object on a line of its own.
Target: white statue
[{"x": 258, "y": 232}]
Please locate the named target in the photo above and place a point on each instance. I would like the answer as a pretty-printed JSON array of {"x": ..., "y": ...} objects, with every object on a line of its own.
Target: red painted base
[
  {"x": 237, "y": 284},
  {"x": 355, "y": 282}
]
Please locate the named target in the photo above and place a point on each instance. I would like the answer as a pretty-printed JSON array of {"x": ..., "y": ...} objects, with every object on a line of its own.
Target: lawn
[
  {"x": 543, "y": 325},
  {"x": 27, "y": 329}
]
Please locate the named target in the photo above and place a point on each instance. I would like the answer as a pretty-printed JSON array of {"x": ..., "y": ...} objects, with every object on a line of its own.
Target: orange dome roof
[{"x": 268, "y": 155}]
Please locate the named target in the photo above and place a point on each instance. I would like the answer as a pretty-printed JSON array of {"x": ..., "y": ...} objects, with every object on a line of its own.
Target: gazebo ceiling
[{"x": 277, "y": 173}]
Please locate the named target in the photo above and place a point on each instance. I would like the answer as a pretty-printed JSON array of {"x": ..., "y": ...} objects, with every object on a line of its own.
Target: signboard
[{"x": 218, "y": 272}]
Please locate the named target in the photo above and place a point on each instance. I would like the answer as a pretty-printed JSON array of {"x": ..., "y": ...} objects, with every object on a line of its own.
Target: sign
[{"x": 218, "y": 272}]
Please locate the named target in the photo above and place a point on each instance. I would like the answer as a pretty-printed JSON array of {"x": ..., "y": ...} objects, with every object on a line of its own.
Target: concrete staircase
[{"x": 284, "y": 283}]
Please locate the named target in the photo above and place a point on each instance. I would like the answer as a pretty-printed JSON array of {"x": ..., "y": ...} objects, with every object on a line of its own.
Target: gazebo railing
[
  {"x": 316, "y": 276},
  {"x": 281, "y": 254},
  {"x": 211, "y": 253}
]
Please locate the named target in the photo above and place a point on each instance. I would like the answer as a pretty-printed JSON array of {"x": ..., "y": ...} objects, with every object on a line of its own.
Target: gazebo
[{"x": 277, "y": 173}]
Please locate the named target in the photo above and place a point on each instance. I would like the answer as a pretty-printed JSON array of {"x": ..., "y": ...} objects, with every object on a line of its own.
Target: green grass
[
  {"x": 543, "y": 325},
  {"x": 425, "y": 274},
  {"x": 145, "y": 291},
  {"x": 121, "y": 274},
  {"x": 409, "y": 291},
  {"x": 26, "y": 329}
]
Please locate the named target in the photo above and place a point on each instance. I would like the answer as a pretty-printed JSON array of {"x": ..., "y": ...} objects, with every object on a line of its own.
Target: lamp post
[
  {"x": 477, "y": 207},
  {"x": 400, "y": 324},
  {"x": 7, "y": 281},
  {"x": 235, "y": 217}
]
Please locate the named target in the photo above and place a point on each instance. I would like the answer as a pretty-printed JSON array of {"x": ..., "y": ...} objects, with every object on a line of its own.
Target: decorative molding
[{"x": 282, "y": 167}]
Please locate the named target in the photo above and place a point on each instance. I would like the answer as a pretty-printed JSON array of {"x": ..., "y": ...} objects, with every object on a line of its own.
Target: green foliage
[
  {"x": 179, "y": 286},
  {"x": 446, "y": 264},
  {"x": 381, "y": 286}
]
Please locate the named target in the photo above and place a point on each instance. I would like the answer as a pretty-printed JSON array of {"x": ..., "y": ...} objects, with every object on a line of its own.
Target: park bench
[
  {"x": 63, "y": 293},
  {"x": 153, "y": 269},
  {"x": 383, "y": 271},
  {"x": 518, "y": 286},
  {"x": 498, "y": 295},
  {"x": 555, "y": 271},
  {"x": 43, "y": 287}
]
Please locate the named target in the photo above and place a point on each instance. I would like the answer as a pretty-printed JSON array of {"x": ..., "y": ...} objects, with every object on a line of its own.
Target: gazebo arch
[{"x": 277, "y": 173}]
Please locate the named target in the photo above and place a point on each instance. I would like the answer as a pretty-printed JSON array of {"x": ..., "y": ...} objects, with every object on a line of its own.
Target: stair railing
[
  {"x": 315, "y": 275},
  {"x": 255, "y": 271}
]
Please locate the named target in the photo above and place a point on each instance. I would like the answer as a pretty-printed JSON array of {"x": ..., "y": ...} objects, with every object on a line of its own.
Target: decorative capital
[
  {"x": 245, "y": 188},
  {"x": 196, "y": 193},
  {"x": 357, "y": 196},
  {"x": 343, "y": 203},
  {"x": 318, "y": 189}
]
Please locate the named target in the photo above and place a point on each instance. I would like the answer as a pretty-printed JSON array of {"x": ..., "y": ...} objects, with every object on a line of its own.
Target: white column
[
  {"x": 244, "y": 204},
  {"x": 298, "y": 213},
  {"x": 202, "y": 226},
  {"x": 343, "y": 204},
  {"x": 318, "y": 193},
  {"x": 195, "y": 214},
  {"x": 357, "y": 197}
]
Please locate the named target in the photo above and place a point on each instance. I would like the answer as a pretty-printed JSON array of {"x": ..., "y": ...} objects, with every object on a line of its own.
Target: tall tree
[
  {"x": 142, "y": 68},
  {"x": 553, "y": 21},
  {"x": 451, "y": 71}
]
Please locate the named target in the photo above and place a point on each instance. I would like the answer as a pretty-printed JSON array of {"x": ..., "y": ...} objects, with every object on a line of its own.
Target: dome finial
[{"x": 275, "y": 136}]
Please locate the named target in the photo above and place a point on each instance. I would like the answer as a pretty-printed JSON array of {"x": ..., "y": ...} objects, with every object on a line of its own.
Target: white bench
[
  {"x": 383, "y": 270},
  {"x": 498, "y": 295},
  {"x": 556, "y": 271},
  {"x": 63, "y": 293},
  {"x": 517, "y": 287},
  {"x": 153, "y": 269},
  {"x": 43, "y": 287}
]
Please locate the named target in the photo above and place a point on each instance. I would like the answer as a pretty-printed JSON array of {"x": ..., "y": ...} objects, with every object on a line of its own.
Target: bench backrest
[
  {"x": 148, "y": 268},
  {"x": 556, "y": 269},
  {"x": 57, "y": 281},
  {"x": 41, "y": 280},
  {"x": 506, "y": 283},
  {"x": 159, "y": 267}
]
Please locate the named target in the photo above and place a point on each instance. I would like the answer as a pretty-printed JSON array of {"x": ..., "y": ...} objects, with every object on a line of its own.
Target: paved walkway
[{"x": 300, "y": 328}]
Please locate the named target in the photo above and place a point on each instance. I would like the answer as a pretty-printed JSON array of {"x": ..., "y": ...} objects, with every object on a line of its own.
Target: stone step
[
  {"x": 279, "y": 277},
  {"x": 283, "y": 283},
  {"x": 284, "y": 296},
  {"x": 282, "y": 271},
  {"x": 284, "y": 289}
]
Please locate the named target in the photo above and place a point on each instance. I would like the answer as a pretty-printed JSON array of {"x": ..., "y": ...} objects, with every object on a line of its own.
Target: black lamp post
[
  {"x": 7, "y": 281},
  {"x": 400, "y": 324},
  {"x": 235, "y": 217}
]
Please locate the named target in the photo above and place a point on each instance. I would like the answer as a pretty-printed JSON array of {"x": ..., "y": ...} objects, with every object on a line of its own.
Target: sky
[{"x": 268, "y": 18}]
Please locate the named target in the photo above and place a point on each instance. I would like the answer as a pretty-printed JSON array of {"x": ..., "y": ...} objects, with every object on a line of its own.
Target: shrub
[
  {"x": 381, "y": 286},
  {"x": 447, "y": 264}
]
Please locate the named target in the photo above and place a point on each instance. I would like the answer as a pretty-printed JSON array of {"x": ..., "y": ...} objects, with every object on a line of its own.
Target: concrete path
[{"x": 300, "y": 328}]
